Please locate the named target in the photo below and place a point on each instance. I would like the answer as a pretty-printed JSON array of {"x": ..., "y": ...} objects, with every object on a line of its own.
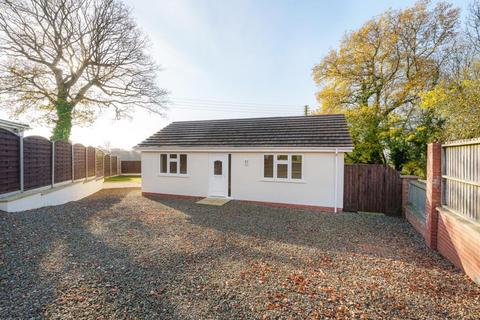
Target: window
[
  {"x": 163, "y": 163},
  {"x": 282, "y": 166},
  {"x": 173, "y": 167},
  {"x": 268, "y": 166},
  {"x": 296, "y": 167},
  {"x": 173, "y": 164},
  {"x": 183, "y": 164},
  {"x": 217, "y": 168}
]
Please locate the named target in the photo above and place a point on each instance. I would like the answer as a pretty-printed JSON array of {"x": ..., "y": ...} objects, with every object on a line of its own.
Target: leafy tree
[
  {"x": 69, "y": 59},
  {"x": 377, "y": 76},
  {"x": 459, "y": 104},
  {"x": 456, "y": 99}
]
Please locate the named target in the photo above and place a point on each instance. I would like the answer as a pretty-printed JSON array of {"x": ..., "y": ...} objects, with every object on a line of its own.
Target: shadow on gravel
[
  {"x": 374, "y": 235},
  {"x": 51, "y": 261},
  {"x": 119, "y": 255}
]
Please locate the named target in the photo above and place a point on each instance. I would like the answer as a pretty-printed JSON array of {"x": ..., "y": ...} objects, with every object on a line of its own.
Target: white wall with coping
[
  {"x": 52, "y": 197},
  {"x": 317, "y": 187}
]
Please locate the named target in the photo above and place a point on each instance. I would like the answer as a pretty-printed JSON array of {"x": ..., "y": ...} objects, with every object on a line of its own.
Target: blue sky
[{"x": 239, "y": 51}]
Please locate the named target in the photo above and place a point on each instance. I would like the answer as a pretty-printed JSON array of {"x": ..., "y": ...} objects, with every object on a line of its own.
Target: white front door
[{"x": 218, "y": 186}]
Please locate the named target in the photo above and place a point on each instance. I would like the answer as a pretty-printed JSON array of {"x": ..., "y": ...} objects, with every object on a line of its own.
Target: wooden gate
[{"x": 372, "y": 188}]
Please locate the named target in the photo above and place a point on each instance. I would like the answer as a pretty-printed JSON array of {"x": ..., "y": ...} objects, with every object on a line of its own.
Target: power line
[
  {"x": 230, "y": 110},
  {"x": 222, "y": 102},
  {"x": 222, "y": 106},
  {"x": 246, "y": 108},
  {"x": 269, "y": 107}
]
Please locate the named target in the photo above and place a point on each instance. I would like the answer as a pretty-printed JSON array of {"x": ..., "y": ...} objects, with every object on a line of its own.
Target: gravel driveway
[{"x": 118, "y": 255}]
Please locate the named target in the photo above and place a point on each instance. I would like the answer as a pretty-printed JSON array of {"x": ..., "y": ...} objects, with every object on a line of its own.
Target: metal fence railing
[{"x": 416, "y": 197}]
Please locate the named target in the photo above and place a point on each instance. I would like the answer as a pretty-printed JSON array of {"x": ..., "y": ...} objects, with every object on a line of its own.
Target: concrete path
[{"x": 119, "y": 185}]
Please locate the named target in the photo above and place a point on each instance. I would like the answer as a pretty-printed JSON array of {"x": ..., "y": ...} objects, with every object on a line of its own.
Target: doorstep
[{"x": 212, "y": 201}]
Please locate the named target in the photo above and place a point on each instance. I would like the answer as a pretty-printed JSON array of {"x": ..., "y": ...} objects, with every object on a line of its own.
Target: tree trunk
[{"x": 63, "y": 125}]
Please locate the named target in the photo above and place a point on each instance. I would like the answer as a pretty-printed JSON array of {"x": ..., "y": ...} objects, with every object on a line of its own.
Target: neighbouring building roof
[
  {"x": 13, "y": 126},
  {"x": 303, "y": 131}
]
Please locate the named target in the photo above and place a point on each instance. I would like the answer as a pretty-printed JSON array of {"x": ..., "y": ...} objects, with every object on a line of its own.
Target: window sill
[
  {"x": 174, "y": 175},
  {"x": 301, "y": 181}
]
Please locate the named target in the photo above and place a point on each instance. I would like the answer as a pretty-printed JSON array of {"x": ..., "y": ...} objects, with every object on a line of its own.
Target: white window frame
[
  {"x": 263, "y": 167},
  {"x": 288, "y": 162},
  {"x": 169, "y": 159}
]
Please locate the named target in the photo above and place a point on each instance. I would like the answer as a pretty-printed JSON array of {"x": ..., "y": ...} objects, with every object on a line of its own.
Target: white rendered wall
[
  {"x": 195, "y": 183},
  {"x": 53, "y": 197},
  {"x": 316, "y": 189}
]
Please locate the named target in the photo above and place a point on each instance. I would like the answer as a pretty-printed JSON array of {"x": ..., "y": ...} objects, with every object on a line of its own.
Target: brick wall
[
  {"x": 458, "y": 240},
  {"x": 433, "y": 193},
  {"x": 453, "y": 236}
]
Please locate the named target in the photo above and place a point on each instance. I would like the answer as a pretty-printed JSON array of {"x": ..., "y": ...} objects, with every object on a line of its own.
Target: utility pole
[{"x": 306, "y": 110}]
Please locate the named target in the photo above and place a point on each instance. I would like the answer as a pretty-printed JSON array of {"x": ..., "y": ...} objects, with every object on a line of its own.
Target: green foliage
[
  {"x": 377, "y": 78},
  {"x": 366, "y": 131},
  {"x": 459, "y": 105},
  {"x": 63, "y": 125},
  {"x": 408, "y": 146}
]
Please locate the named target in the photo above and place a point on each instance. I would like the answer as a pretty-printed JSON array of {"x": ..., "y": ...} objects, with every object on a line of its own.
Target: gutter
[
  {"x": 336, "y": 181},
  {"x": 242, "y": 149}
]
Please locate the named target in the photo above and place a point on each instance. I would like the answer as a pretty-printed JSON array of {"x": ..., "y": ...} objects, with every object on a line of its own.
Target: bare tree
[
  {"x": 473, "y": 25},
  {"x": 69, "y": 59}
]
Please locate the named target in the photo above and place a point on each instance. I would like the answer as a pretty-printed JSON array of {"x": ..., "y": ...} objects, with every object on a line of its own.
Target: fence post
[
  {"x": 86, "y": 162},
  {"x": 21, "y": 164},
  {"x": 405, "y": 185},
  {"x": 73, "y": 164},
  {"x": 95, "y": 157},
  {"x": 433, "y": 193},
  {"x": 53, "y": 163}
]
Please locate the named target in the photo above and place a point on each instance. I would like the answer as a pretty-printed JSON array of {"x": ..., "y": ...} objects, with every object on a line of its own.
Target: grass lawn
[{"x": 124, "y": 179}]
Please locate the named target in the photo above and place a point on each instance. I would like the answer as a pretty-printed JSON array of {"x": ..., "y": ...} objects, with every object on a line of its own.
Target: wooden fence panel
[
  {"x": 372, "y": 188},
  {"x": 461, "y": 178},
  {"x": 114, "y": 161},
  {"x": 99, "y": 163},
  {"x": 393, "y": 191},
  {"x": 131, "y": 166},
  {"x": 90, "y": 161},
  {"x": 79, "y": 162},
  {"x": 9, "y": 161},
  {"x": 37, "y": 159},
  {"x": 106, "y": 166},
  {"x": 63, "y": 161}
]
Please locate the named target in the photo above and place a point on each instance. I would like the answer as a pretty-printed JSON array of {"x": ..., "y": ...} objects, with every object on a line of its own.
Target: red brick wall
[
  {"x": 433, "y": 193},
  {"x": 458, "y": 240},
  {"x": 453, "y": 236},
  {"x": 415, "y": 221}
]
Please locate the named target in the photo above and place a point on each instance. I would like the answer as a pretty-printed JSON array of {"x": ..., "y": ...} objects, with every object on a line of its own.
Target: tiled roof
[{"x": 304, "y": 131}]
